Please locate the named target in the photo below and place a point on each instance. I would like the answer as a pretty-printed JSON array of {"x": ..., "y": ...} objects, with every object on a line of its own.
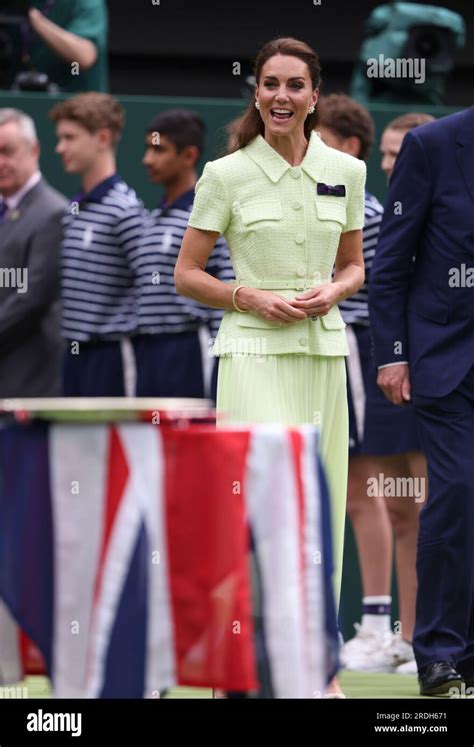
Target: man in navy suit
[{"x": 422, "y": 312}]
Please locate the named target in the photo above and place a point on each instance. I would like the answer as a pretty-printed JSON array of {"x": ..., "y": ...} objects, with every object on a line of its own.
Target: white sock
[{"x": 373, "y": 620}]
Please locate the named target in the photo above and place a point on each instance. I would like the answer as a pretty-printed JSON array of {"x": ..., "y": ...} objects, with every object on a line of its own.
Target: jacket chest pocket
[
  {"x": 332, "y": 214},
  {"x": 262, "y": 214}
]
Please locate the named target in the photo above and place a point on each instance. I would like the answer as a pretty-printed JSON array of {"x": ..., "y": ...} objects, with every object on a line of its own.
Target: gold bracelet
[{"x": 242, "y": 311}]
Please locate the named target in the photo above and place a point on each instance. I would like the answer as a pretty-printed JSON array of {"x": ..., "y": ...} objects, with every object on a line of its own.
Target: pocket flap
[
  {"x": 256, "y": 321},
  {"x": 331, "y": 210},
  {"x": 265, "y": 210},
  {"x": 333, "y": 319}
]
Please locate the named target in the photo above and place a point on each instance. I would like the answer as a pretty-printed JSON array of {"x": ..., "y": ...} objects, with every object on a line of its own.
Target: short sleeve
[
  {"x": 355, "y": 203},
  {"x": 211, "y": 208},
  {"x": 89, "y": 21}
]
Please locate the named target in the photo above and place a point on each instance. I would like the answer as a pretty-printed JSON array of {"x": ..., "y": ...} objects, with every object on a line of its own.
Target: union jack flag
[{"x": 124, "y": 555}]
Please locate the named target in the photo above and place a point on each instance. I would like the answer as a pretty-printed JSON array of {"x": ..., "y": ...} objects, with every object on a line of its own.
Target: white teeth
[{"x": 282, "y": 111}]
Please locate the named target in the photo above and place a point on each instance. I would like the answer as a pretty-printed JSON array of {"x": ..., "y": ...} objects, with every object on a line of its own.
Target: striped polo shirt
[
  {"x": 99, "y": 260},
  {"x": 355, "y": 310},
  {"x": 161, "y": 309}
]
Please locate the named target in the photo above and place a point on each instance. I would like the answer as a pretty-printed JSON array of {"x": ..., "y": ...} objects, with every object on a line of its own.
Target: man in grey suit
[{"x": 30, "y": 242}]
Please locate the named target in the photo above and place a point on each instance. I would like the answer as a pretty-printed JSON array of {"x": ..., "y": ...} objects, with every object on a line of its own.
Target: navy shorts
[
  {"x": 105, "y": 368},
  {"x": 376, "y": 426},
  {"x": 169, "y": 365}
]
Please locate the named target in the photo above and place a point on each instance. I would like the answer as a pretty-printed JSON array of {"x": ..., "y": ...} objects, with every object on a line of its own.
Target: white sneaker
[
  {"x": 368, "y": 651},
  {"x": 402, "y": 653},
  {"x": 408, "y": 668}
]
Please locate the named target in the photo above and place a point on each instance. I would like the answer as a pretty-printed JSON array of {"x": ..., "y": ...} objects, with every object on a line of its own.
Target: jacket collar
[
  {"x": 274, "y": 165},
  {"x": 13, "y": 202}
]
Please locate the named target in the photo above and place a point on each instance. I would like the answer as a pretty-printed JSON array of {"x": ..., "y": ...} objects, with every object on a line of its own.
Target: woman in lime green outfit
[{"x": 291, "y": 209}]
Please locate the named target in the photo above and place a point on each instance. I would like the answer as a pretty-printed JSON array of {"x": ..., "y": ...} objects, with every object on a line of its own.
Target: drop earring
[
  {"x": 257, "y": 105},
  {"x": 311, "y": 110}
]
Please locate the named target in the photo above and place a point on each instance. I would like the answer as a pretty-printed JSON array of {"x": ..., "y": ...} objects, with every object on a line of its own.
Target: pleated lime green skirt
[{"x": 292, "y": 390}]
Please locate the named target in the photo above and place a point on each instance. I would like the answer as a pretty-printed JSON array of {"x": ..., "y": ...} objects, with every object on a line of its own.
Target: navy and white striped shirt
[
  {"x": 355, "y": 310},
  {"x": 160, "y": 308},
  {"x": 98, "y": 267}
]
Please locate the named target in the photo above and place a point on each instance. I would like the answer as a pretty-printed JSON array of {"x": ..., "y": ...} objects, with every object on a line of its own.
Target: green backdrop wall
[
  {"x": 140, "y": 110},
  {"x": 216, "y": 114}
]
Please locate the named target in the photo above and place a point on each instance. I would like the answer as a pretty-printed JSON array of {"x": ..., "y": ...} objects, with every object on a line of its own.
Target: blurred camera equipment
[{"x": 407, "y": 54}]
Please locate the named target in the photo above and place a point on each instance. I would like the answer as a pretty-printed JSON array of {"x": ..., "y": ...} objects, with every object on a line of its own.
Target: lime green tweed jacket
[{"x": 283, "y": 236}]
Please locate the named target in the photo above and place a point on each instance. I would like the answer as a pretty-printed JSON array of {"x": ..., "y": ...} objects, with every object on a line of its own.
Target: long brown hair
[{"x": 252, "y": 123}]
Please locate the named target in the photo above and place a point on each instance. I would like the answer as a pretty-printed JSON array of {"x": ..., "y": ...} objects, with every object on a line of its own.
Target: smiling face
[{"x": 285, "y": 93}]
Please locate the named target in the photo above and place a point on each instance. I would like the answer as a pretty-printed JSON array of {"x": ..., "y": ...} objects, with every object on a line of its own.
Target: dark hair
[
  {"x": 407, "y": 122},
  {"x": 182, "y": 126},
  {"x": 231, "y": 130},
  {"x": 347, "y": 118},
  {"x": 252, "y": 123},
  {"x": 93, "y": 111}
]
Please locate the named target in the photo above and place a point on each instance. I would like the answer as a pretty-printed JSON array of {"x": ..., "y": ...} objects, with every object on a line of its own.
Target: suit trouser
[{"x": 444, "y": 628}]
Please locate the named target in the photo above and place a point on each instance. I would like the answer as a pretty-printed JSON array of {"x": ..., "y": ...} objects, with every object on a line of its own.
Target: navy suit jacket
[{"x": 421, "y": 291}]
